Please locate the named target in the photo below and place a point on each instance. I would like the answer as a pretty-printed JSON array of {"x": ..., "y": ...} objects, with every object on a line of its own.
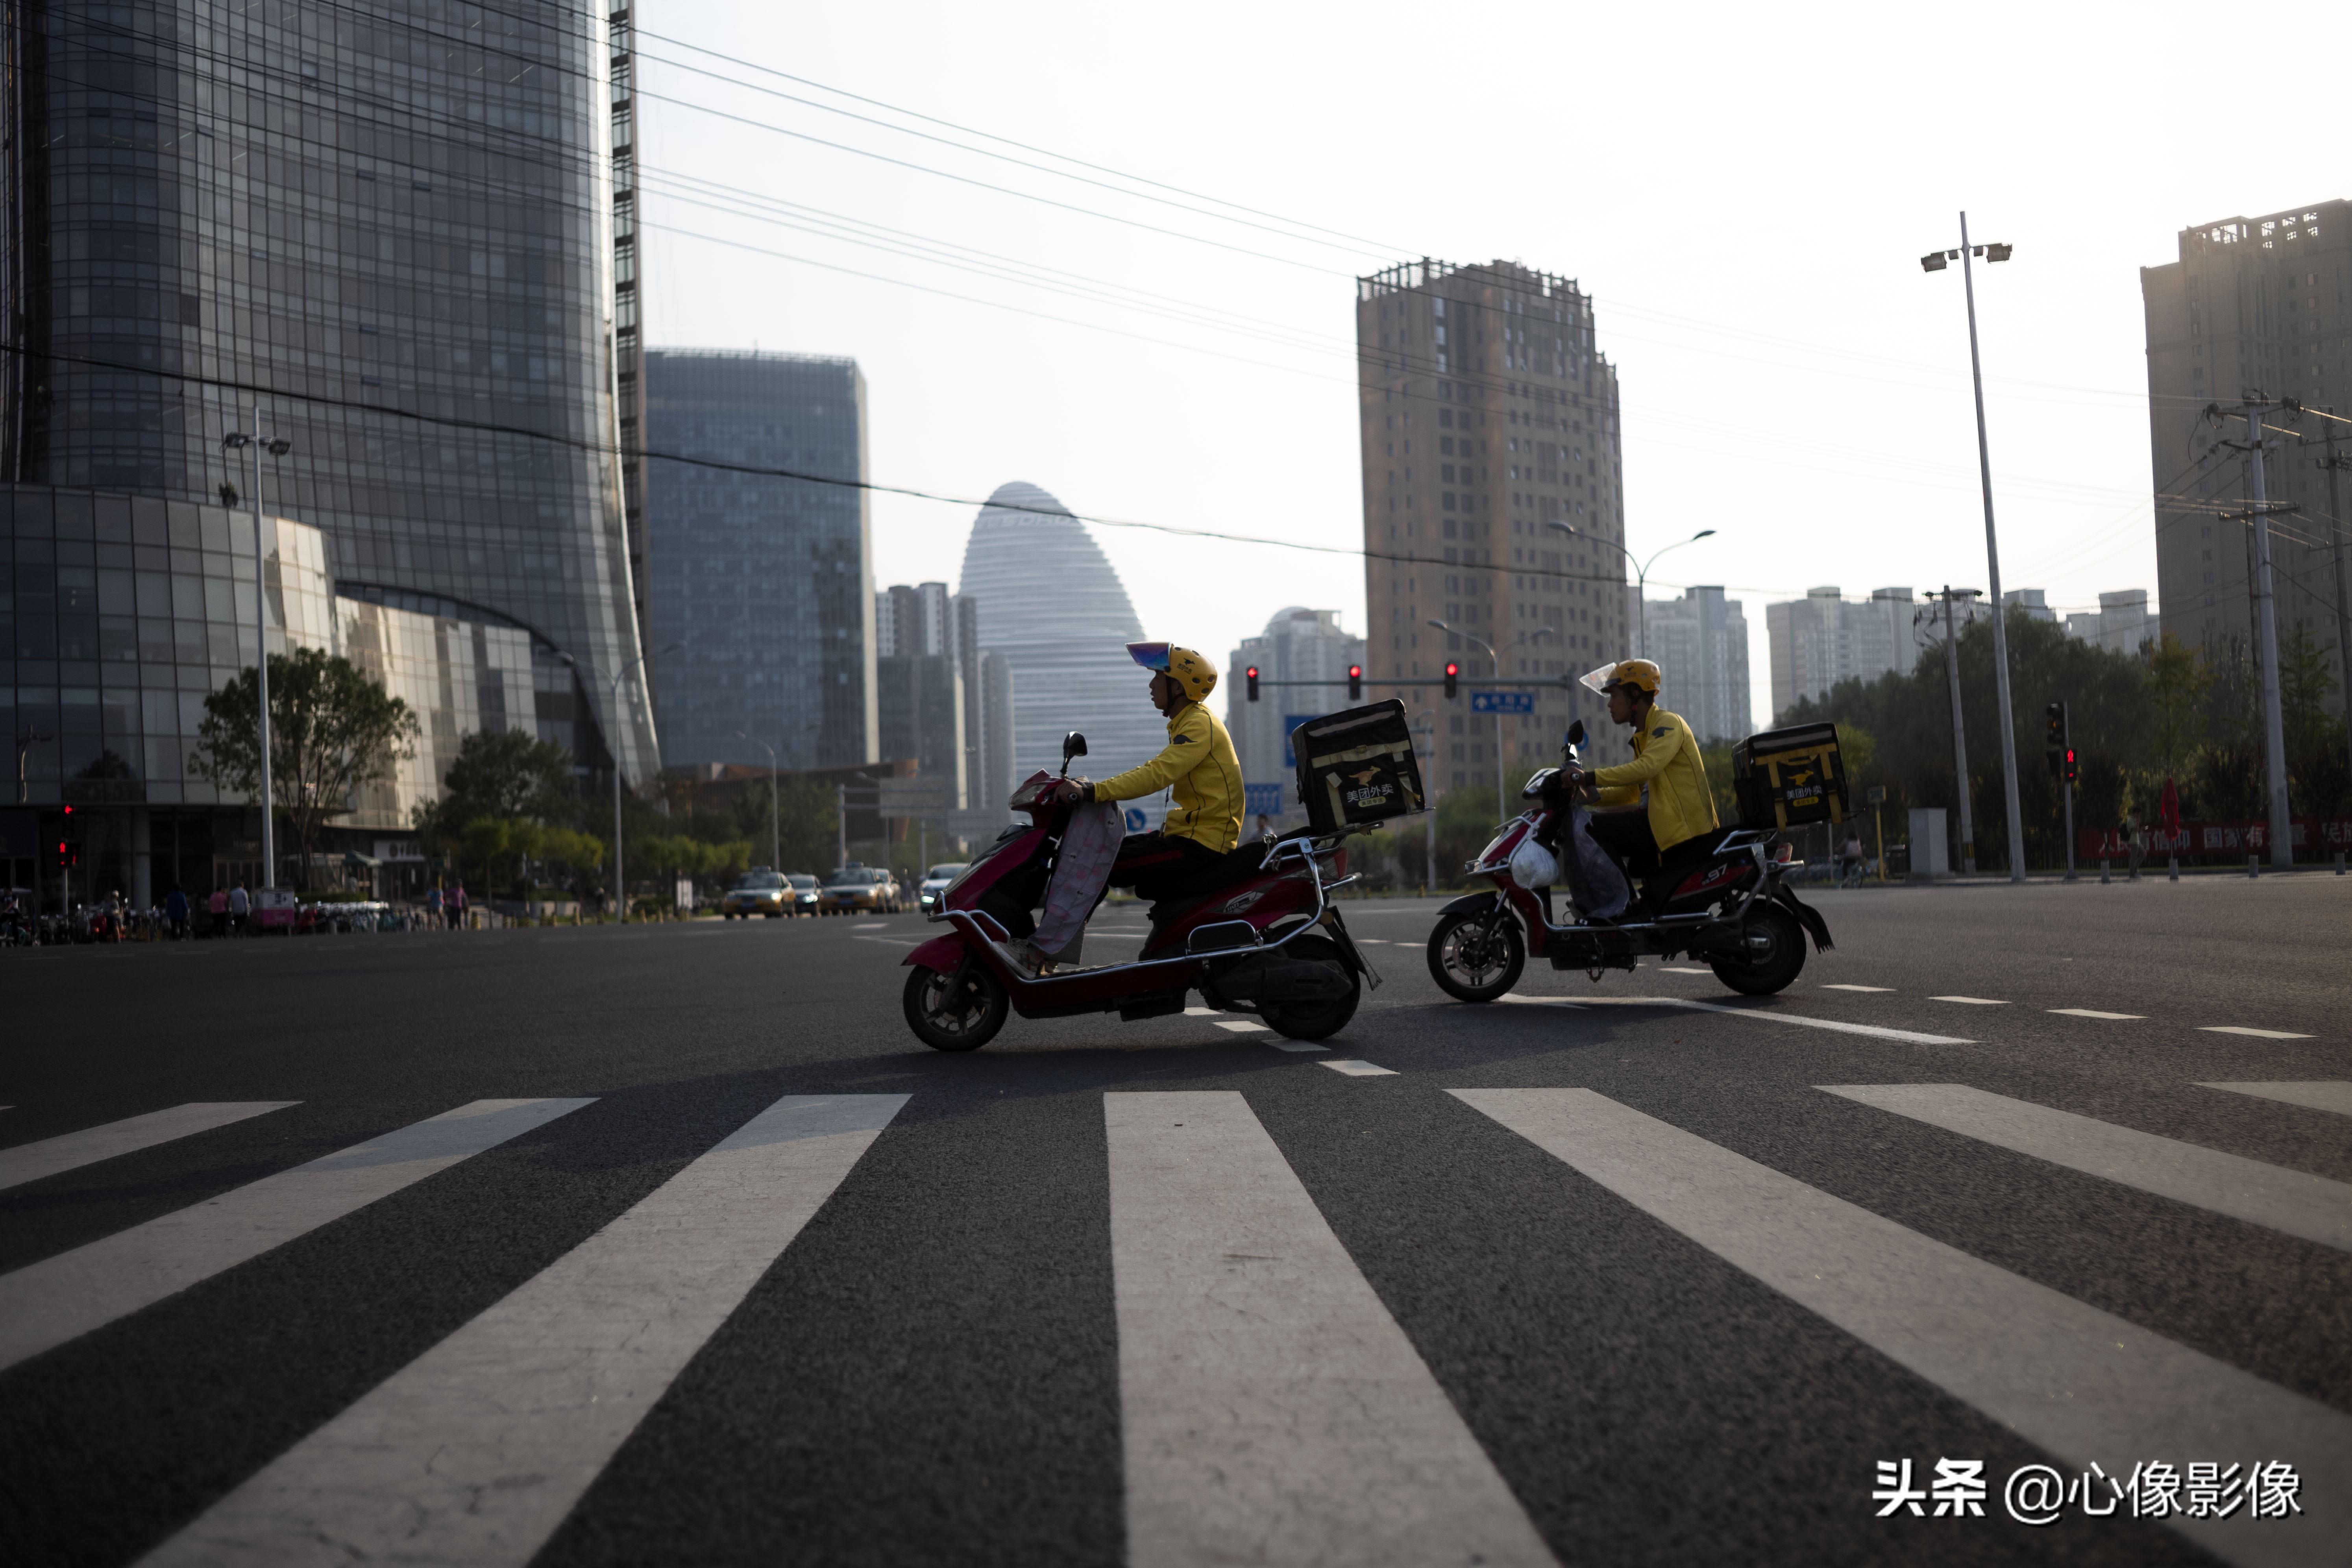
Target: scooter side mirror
[
  {"x": 1576, "y": 734},
  {"x": 1073, "y": 745}
]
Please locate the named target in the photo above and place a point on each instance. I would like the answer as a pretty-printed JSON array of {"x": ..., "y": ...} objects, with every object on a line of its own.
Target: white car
[{"x": 935, "y": 882}]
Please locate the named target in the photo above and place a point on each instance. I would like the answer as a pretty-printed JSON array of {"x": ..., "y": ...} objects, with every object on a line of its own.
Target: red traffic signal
[
  {"x": 1355, "y": 681},
  {"x": 1453, "y": 677},
  {"x": 2072, "y": 770},
  {"x": 1252, "y": 674}
]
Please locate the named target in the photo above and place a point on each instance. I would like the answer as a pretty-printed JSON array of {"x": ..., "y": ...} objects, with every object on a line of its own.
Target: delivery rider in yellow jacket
[
  {"x": 1198, "y": 767},
  {"x": 1679, "y": 823}
]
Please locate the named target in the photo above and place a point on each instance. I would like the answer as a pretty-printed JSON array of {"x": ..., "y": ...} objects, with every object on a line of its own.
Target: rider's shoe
[{"x": 1031, "y": 958}]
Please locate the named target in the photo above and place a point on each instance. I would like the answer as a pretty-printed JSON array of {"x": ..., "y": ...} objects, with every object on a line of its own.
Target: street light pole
[
  {"x": 278, "y": 446},
  {"x": 775, "y": 832},
  {"x": 613, "y": 720},
  {"x": 1935, "y": 261},
  {"x": 1641, "y": 575},
  {"x": 2266, "y": 628}
]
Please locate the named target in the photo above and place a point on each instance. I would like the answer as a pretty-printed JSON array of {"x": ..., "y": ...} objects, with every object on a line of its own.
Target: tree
[
  {"x": 2176, "y": 686},
  {"x": 333, "y": 730},
  {"x": 507, "y": 774}
]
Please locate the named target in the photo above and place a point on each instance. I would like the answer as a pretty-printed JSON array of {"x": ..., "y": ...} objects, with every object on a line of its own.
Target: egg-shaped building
[{"x": 1051, "y": 604}]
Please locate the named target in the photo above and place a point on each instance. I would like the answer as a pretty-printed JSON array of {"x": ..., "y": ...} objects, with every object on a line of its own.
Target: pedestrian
[
  {"x": 433, "y": 907},
  {"x": 2135, "y": 847},
  {"x": 216, "y": 913},
  {"x": 1849, "y": 858},
  {"x": 175, "y": 912},
  {"x": 240, "y": 904},
  {"x": 455, "y": 905},
  {"x": 118, "y": 914}
]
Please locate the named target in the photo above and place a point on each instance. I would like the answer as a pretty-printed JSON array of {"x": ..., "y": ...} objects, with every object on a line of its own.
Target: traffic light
[
  {"x": 1252, "y": 674},
  {"x": 1355, "y": 682},
  {"x": 2053, "y": 737},
  {"x": 1453, "y": 677},
  {"x": 2072, "y": 769},
  {"x": 69, "y": 841}
]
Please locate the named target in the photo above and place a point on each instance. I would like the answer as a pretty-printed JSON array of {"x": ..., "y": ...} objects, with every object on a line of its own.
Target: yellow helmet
[
  {"x": 1637, "y": 673},
  {"x": 1190, "y": 670}
]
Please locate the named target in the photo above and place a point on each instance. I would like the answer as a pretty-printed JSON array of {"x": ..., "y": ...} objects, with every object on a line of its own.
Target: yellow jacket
[
  {"x": 1665, "y": 758},
  {"x": 1200, "y": 765}
]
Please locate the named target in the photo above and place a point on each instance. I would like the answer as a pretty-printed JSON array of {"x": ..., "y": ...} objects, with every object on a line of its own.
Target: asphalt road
[{"x": 1602, "y": 1274}]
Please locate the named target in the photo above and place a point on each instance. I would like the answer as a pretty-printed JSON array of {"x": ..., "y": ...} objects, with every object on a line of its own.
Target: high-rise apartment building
[
  {"x": 1699, "y": 643},
  {"x": 2261, "y": 307},
  {"x": 766, "y": 582},
  {"x": 1820, "y": 639},
  {"x": 392, "y": 233},
  {"x": 1487, "y": 412},
  {"x": 1296, "y": 645},
  {"x": 919, "y": 688},
  {"x": 2120, "y": 625}
]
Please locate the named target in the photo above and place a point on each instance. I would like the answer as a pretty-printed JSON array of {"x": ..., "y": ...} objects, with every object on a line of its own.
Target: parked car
[
  {"x": 858, "y": 890},
  {"x": 935, "y": 882},
  {"x": 758, "y": 891},
  {"x": 808, "y": 895}
]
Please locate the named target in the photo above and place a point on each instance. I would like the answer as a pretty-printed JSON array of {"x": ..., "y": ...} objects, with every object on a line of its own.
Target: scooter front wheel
[
  {"x": 1476, "y": 956},
  {"x": 963, "y": 1022}
]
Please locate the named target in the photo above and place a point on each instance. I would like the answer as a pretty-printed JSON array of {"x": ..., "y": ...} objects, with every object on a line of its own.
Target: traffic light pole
[{"x": 2070, "y": 829}]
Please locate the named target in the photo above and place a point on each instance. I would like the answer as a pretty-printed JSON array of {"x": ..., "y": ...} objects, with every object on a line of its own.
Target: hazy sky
[{"x": 1745, "y": 191}]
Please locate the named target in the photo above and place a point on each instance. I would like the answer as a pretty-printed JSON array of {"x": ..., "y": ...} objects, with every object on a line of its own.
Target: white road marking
[
  {"x": 2083, "y": 1384},
  {"x": 2092, "y": 1013},
  {"x": 1972, "y": 1001},
  {"x": 1295, "y": 1046},
  {"x": 1542, "y": 1001},
  {"x": 2321, "y": 1094},
  {"x": 2295, "y": 1202},
  {"x": 1272, "y": 1411},
  {"x": 1884, "y": 988},
  {"x": 1204, "y": 1013},
  {"x": 1240, "y": 1025},
  {"x": 47, "y": 1304},
  {"x": 474, "y": 1452},
  {"x": 1358, "y": 1070},
  {"x": 70, "y": 1150},
  {"x": 1835, "y": 1025},
  {"x": 2242, "y": 1029},
  {"x": 893, "y": 940},
  {"x": 1665, "y": 970}
]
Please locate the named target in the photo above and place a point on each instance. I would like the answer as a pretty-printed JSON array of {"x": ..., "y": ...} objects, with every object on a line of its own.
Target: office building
[
  {"x": 1298, "y": 645},
  {"x": 1487, "y": 412},
  {"x": 765, "y": 582},
  {"x": 421, "y": 280},
  {"x": 921, "y": 689},
  {"x": 1699, "y": 643},
  {"x": 2120, "y": 625},
  {"x": 2032, "y": 603},
  {"x": 1821, "y": 639},
  {"x": 2261, "y": 307},
  {"x": 1054, "y": 608}
]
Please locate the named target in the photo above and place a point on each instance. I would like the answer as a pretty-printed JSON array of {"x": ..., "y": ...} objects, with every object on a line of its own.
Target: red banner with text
[{"x": 2227, "y": 839}]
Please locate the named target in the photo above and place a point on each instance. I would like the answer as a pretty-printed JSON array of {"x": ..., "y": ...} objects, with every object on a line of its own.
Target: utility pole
[
  {"x": 2332, "y": 465},
  {"x": 840, "y": 824},
  {"x": 1960, "y": 730},
  {"x": 278, "y": 447},
  {"x": 2266, "y": 632},
  {"x": 1429, "y": 812}
]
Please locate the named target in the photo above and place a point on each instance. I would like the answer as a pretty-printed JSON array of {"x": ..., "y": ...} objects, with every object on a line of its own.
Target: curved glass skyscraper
[
  {"x": 1052, "y": 605},
  {"x": 388, "y": 225}
]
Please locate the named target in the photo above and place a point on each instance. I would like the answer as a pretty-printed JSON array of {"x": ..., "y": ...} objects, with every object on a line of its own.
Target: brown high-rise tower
[
  {"x": 1488, "y": 414},
  {"x": 2254, "y": 307}
]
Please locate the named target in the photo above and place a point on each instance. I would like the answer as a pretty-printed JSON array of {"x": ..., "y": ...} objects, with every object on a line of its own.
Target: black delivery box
[
  {"x": 1786, "y": 778},
  {"x": 1356, "y": 767}
]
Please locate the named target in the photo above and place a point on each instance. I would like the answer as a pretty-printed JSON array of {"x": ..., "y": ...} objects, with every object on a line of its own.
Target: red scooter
[
  {"x": 1253, "y": 932},
  {"x": 1730, "y": 907}
]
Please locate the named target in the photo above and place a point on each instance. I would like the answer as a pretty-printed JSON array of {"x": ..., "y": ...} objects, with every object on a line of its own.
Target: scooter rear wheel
[
  {"x": 1772, "y": 965},
  {"x": 1476, "y": 956},
  {"x": 961, "y": 1023}
]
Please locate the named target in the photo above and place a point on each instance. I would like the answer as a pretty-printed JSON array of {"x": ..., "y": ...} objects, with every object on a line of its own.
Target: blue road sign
[
  {"x": 1262, "y": 799},
  {"x": 1502, "y": 702},
  {"x": 1290, "y": 722},
  {"x": 1136, "y": 819}
]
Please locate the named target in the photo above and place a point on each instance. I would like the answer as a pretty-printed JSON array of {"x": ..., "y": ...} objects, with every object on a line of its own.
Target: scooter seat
[{"x": 1180, "y": 895}]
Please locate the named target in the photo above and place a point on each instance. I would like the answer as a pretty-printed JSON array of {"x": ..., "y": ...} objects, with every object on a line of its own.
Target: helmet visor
[
  {"x": 1150, "y": 655},
  {"x": 1597, "y": 682}
]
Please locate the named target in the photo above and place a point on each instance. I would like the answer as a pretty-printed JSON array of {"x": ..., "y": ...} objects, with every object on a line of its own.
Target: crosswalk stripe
[
  {"x": 1272, "y": 1410},
  {"x": 473, "y": 1453},
  {"x": 2245, "y": 1029},
  {"x": 2321, "y": 1094},
  {"x": 1359, "y": 1070},
  {"x": 1834, "y": 1026},
  {"x": 2081, "y": 1384},
  {"x": 2295, "y": 1202},
  {"x": 44, "y": 1304},
  {"x": 70, "y": 1150}
]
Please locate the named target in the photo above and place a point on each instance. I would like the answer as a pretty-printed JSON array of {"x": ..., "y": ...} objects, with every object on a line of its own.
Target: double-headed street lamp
[
  {"x": 1935, "y": 261},
  {"x": 1502, "y": 812},
  {"x": 277, "y": 446},
  {"x": 775, "y": 833},
  {"x": 1641, "y": 575},
  {"x": 612, "y": 719}
]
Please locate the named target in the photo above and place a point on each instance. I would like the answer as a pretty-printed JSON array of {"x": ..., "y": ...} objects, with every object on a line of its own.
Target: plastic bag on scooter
[
  {"x": 1595, "y": 885},
  {"x": 1533, "y": 866}
]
